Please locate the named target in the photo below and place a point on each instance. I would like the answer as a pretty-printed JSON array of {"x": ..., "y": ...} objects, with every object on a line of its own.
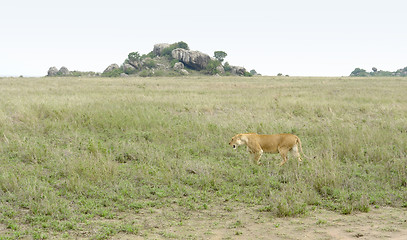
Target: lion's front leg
[
  {"x": 255, "y": 150},
  {"x": 256, "y": 157}
]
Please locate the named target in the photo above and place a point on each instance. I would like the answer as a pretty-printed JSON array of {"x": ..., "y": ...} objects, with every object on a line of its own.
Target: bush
[
  {"x": 211, "y": 67},
  {"x": 150, "y": 63},
  {"x": 146, "y": 73},
  {"x": 227, "y": 67},
  {"x": 173, "y": 62},
  {"x": 113, "y": 73},
  {"x": 247, "y": 74},
  {"x": 359, "y": 72}
]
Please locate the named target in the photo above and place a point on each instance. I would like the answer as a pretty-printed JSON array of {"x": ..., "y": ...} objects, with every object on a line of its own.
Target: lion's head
[{"x": 236, "y": 141}]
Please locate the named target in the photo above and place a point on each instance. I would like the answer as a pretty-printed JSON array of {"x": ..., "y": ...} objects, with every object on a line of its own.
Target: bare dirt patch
[{"x": 248, "y": 223}]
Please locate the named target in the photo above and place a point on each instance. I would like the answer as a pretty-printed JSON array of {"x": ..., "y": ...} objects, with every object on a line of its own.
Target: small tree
[
  {"x": 183, "y": 45},
  {"x": 358, "y": 72},
  {"x": 227, "y": 67},
  {"x": 220, "y": 55},
  {"x": 133, "y": 57}
]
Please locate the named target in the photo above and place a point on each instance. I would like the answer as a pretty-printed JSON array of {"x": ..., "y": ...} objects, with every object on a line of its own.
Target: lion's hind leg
[
  {"x": 296, "y": 152},
  {"x": 283, "y": 153}
]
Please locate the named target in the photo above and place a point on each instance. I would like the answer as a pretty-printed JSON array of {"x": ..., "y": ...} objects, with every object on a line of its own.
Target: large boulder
[
  {"x": 52, "y": 71},
  {"x": 158, "y": 48},
  {"x": 63, "y": 71},
  {"x": 128, "y": 68},
  {"x": 236, "y": 70},
  {"x": 220, "y": 69},
  {"x": 178, "y": 66},
  {"x": 194, "y": 59},
  {"x": 111, "y": 67}
]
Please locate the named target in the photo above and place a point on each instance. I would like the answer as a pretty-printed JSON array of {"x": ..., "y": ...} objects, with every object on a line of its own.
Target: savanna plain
[{"x": 148, "y": 158}]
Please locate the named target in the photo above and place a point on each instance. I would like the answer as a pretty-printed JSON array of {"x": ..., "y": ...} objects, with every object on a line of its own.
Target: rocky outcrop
[
  {"x": 111, "y": 67},
  {"x": 236, "y": 70},
  {"x": 193, "y": 59},
  {"x": 63, "y": 71},
  {"x": 158, "y": 48},
  {"x": 162, "y": 59},
  {"x": 52, "y": 71}
]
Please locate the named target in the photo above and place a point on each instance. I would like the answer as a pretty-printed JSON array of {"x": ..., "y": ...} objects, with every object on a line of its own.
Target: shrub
[
  {"x": 227, "y": 67},
  {"x": 359, "y": 72},
  {"x": 150, "y": 63},
  {"x": 211, "y": 67},
  {"x": 247, "y": 74},
  {"x": 146, "y": 73},
  {"x": 113, "y": 73},
  {"x": 173, "y": 62}
]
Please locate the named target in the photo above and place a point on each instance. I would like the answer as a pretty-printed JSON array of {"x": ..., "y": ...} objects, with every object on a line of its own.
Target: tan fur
[{"x": 257, "y": 144}]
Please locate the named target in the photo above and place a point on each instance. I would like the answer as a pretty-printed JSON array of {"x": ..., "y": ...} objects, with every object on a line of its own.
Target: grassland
[{"x": 81, "y": 157}]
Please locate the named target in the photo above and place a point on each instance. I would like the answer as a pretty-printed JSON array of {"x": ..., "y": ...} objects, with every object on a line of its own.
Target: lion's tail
[{"x": 300, "y": 147}]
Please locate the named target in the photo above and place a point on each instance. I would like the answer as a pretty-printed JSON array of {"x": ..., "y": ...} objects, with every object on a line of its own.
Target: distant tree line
[{"x": 359, "y": 72}]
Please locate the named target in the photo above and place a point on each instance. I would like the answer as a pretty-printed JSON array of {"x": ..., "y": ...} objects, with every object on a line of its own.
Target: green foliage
[
  {"x": 149, "y": 55},
  {"x": 358, "y": 72},
  {"x": 146, "y": 73},
  {"x": 167, "y": 51},
  {"x": 183, "y": 45},
  {"x": 211, "y": 67},
  {"x": 173, "y": 62},
  {"x": 133, "y": 57},
  {"x": 227, "y": 67},
  {"x": 220, "y": 55},
  {"x": 247, "y": 74},
  {"x": 114, "y": 73},
  {"x": 129, "y": 71},
  {"x": 253, "y": 72},
  {"x": 150, "y": 63}
]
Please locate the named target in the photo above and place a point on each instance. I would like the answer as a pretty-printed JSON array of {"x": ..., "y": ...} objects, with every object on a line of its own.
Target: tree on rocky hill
[{"x": 220, "y": 55}]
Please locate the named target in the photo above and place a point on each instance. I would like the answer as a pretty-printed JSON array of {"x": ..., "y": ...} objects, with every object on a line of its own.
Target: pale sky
[{"x": 299, "y": 38}]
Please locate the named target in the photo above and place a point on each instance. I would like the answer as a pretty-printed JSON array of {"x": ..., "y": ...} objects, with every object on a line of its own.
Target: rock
[
  {"x": 52, "y": 71},
  {"x": 111, "y": 67},
  {"x": 158, "y": 48},
  {"x": 184, "y": 72},
  {"x": 178, "y": 66},
  {"x": 194, "y": 59},
  {"x": 220, "y": 69},
  {"x": 236, "y": 70},
  {"x": 63, "y": 71},
  {"x": 123, "y": 75},
  {"x": 128, "y": 68}
]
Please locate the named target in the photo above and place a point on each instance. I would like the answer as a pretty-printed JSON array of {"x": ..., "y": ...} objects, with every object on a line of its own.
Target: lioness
[{"x": 275, "y": 143}]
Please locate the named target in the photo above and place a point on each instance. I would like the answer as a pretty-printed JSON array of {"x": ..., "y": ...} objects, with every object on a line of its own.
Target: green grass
[{"x": 73, "y": 150}]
